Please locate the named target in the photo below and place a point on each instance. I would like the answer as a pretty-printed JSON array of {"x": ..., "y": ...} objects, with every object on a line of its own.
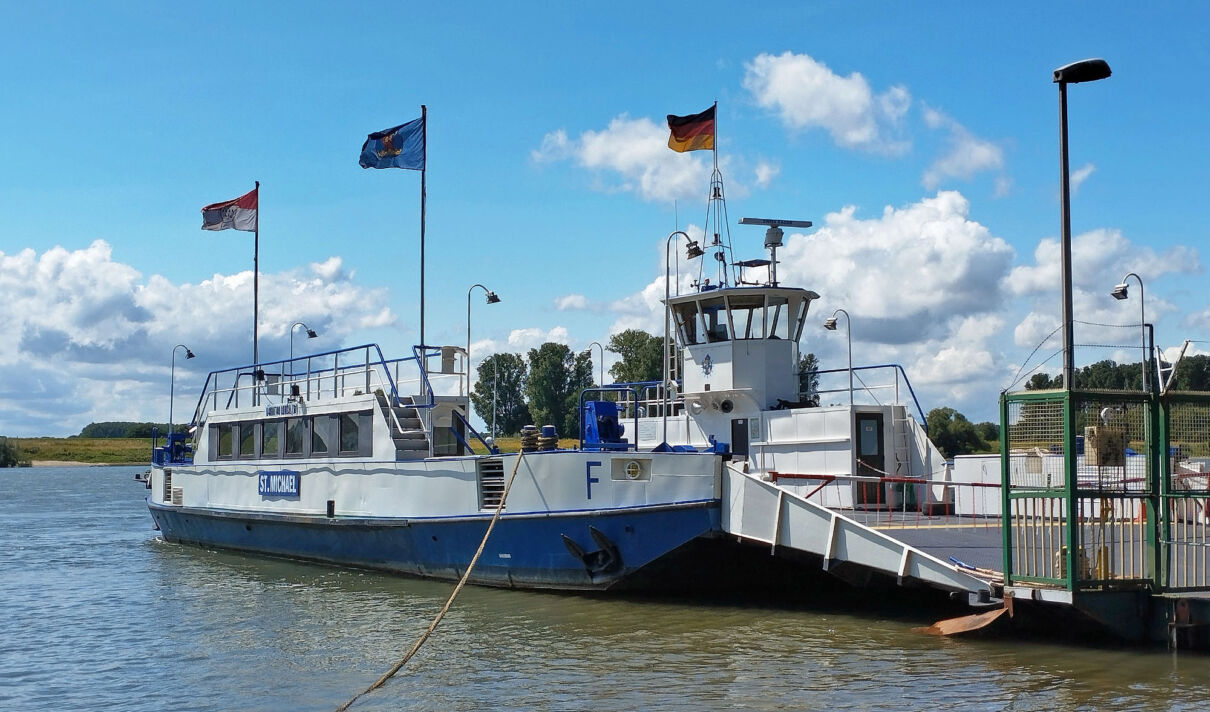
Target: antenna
[{"x": 773, "y": 238}]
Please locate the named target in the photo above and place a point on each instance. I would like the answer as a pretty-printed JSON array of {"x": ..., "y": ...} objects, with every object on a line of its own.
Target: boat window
[
  {"x": 748, "y": 316},
  {"x": 247, "y": 439},
  {"x": 779, "y": 318},
  {"x": 319, "y": 435},
  {"x": 296, "y": 433},
  {"x": 225, "y": 441},
  {"x": 686, "y": 322},
  {"x": 801, "y": 318},
  {"x": 348, "y": 432},
  {"x": 714, "y": 316},
  {"x": 270, "y": 441}
]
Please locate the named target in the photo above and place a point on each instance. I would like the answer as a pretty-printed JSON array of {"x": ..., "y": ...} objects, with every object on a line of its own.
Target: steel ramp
[{"x": 756, "y": 510}]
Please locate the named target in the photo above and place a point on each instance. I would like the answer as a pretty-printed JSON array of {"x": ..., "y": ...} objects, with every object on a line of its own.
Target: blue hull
[{"x": 524, "y": 551}]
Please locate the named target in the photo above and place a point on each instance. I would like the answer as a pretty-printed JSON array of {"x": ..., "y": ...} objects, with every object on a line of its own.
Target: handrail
[
  {"x": 491, "y": 448},
  {"x": 906, "y": 382}
]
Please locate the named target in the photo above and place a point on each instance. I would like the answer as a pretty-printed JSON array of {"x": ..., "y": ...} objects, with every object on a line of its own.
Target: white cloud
[
  {"x": 571, "y": 301},
  {"x": 91, "y": 339},
  {"x": 965, "y": 154},
  {"x": 532, "y": 338},
  {"x": 636, "y": 151},
  {"x": 1079, "y": 175},
  {"x": 806, "y": 94},
  {"x": 765, "y": 173}
]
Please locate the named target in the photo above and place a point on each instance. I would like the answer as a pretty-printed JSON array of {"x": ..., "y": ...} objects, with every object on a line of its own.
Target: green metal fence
[
  {"x": 1185, "y": 491},
  {"x": 1081, "y": 489}
]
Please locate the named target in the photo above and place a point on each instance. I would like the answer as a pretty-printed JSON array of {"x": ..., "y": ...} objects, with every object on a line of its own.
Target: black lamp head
[
  {"x": 188, "y": 353},
  {"x": 492, "y": 298},
  {"x": 311, "y": 334},
  {"x": 1119, "y": 292},
  {"x": 1086, "y": 70},
  {"x": 830, "y": 323}
]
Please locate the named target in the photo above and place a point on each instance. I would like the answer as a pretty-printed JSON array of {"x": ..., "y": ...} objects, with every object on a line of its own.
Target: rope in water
[{"x": 433, "y": 626}]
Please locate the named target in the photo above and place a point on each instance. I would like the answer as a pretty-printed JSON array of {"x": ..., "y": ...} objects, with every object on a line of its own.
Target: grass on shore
[{"x": 100, "y": 451}]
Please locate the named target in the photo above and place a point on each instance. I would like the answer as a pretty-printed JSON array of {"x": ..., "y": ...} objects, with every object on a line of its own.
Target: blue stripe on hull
[{"x": 523, "y": 551}]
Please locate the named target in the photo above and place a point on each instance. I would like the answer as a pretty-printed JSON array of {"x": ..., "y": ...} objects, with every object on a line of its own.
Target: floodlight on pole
[
  {"x": 601, "y": 363},
  {"x": 1121, "y": 292},
  {"x": 310, "y": 335},
  {"x": 172, "y": 380},
  {"x": 1087, "y": 70},
  {"x": 692, "y": 251},
  {"x": 491, "y": 299},
  {"x": 830, "y": 325}
]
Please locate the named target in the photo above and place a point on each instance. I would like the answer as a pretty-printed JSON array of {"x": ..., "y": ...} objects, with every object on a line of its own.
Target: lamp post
[
  {"x": 495, "y": 366},
  {"x": 601, "y": 362},
  {"x": 691, "y": 251},
  {"x": 491, "y": 299},
  {"x": 1119, "y": 292},
  {"x": 310, "y": 335},
  {"x": 172, "y": 380},
  {"x": 830, "y": 325},
  {"x": 1087, "y": 70}
]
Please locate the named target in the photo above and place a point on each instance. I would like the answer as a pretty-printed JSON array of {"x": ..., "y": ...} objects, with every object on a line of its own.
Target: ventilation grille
[
  {"x": 491, "y": 482},
  {"x": 166, "y": 495},
  {"x": 178, "y": 496}
]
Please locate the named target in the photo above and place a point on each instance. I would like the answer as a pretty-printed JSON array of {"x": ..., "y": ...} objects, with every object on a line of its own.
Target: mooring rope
[{"x": 441, "y": 614}]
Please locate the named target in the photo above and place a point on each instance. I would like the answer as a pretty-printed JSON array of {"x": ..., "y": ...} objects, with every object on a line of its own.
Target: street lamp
[
  {"x": 1119, "y": 292},
  {"x": 172, "y": 380},
  {"x": 1088, "y": 70},
  {"x": 830, "y": 325},
  {"x": 692, "y": 250},
  {"x": 310, "y": 335},
  {"x": 601, "y": 362},
  {"x": 491, "y": 299}
]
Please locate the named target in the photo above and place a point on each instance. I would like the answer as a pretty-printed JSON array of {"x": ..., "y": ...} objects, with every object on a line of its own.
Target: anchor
[{"x": 604, "y": 560}]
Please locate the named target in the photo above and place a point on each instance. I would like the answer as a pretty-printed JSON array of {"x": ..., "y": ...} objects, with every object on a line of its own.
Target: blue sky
[{"x": 921, "y": 139}]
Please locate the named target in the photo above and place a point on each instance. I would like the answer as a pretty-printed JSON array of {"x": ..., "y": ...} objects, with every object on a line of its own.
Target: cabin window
[
  {"x": 801, "y": 319},
  {"x": 296, "y": 435},
  {"x": 748, "y": 316},
  {"x": 226, "y": 441},
  {"x": 686, "y": 322},
  {"x": 319, "y": 435},
  {"x": 780, "y": 320},
  {"x": 349, "y": 433},
  {"x": 247, "y": 440},
  {"x": 270, "y": 443},
  {"x": 714, "y": 316}
]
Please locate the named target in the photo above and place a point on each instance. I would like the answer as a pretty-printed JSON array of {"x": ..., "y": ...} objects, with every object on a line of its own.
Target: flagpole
[
  {"x": 256, "y": 276},
  {"x": 715, "y": 141},
  {"x": 424, "y": 166}
]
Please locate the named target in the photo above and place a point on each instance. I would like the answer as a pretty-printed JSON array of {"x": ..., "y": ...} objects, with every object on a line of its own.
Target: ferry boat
[{"x": 352, "y": 458}]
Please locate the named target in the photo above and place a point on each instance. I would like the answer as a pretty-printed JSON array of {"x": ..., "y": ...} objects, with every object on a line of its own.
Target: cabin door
[
  {"x": 870, "y": 458},
  {"x": 739, "y": 437}
]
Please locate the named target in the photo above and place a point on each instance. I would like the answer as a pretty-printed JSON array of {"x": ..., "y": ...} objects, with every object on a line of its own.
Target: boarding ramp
[{"x": 755, "y": 510}]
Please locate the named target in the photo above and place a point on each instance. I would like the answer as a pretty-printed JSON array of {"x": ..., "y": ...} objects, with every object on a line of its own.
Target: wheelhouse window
[
  {"x": 714, "y": 317},
  {"x": 748, "y": 316},
  {"x": 782, "y": 324},
  {"x": 686, "y": 322}
]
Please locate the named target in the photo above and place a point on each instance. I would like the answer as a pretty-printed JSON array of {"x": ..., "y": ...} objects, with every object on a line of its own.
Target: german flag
[{"x": 692, "y": 133}]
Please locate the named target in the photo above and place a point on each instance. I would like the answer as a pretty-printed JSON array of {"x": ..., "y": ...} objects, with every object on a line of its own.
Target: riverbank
[{"x": 81, "y": 452}]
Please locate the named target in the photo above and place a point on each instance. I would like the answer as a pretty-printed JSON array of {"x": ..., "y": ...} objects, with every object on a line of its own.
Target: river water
[{"x": 99, "y": 613}]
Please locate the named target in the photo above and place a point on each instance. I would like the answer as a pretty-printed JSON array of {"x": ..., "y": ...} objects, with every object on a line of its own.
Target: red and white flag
[{"x": 239, "y": 214}]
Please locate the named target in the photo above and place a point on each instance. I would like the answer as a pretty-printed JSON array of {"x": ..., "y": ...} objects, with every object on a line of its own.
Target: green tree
[
  {"x": 1042, "y": 382},
  {"x": 808, "y": 379},
  {"x": 552, "y": 389},
  {"x": 952, "y": 433},
  {"x": 10, "y": 456},
  {"x": 507, "y": 372},
  {"x": 642, "y": 356},
  {"x": 1192, "y": 374}
]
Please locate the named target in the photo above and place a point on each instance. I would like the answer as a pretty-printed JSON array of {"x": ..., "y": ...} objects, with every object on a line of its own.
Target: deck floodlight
[
  {"x": 188, "y": 353},
  {"x": 311, "y": 334},
  {"x": 692, "y": 251},
  {"x": 1085, "y": 70},
  {"x": 492, "y": 298},
  {"x": 1119, "y": 292},
  {"x": 830, "y": 323}
]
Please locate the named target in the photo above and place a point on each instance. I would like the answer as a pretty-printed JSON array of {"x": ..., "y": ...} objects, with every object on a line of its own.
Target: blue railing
[
  {"x": 895, "y": 366},
  {"x": 492, "y": 449}
]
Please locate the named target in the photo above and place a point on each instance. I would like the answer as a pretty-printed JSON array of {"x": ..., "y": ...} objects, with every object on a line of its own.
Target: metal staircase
[{"x": 407, "y": 429}]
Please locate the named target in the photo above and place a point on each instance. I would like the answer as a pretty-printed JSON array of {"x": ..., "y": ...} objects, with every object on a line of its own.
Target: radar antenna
[{"x": 772, "y": 240}]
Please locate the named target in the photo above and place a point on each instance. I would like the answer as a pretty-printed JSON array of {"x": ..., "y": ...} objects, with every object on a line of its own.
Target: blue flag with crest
[{"x": 398, "y": 147}]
